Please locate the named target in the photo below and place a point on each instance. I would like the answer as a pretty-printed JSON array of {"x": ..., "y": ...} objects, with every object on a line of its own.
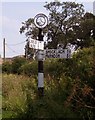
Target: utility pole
[{"x": 4, "y": 49}]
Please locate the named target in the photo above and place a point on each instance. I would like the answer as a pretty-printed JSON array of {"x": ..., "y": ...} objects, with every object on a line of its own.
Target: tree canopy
[
  {"x": 84, "y": 34},
  {"x": 62, "y": 18},
  {"x": 68, "y": 23}
]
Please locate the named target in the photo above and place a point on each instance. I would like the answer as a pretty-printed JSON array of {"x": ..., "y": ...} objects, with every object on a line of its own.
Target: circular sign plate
[{"x": 40, "y": 20}]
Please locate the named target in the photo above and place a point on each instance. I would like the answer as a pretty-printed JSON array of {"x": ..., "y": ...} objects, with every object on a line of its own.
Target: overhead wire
[
  {"x": 12, "y": 49},
  {"x": 16, "y": 43},
  {"x": 8, "y": 46}
]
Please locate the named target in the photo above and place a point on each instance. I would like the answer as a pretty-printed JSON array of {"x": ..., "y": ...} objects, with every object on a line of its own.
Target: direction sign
[
  {"x": 53, "y": 53},
  {"x": 57, "y": 53},
  {"x": 35, "y": 44}
]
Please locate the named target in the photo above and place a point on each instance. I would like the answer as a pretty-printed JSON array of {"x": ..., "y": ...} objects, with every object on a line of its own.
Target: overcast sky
[{"x": 14, "y": 13}]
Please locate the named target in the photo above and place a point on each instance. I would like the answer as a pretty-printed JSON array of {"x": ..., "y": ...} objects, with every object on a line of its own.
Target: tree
[
  {"x": 31, "y": 31},
  {"x": 85, "y": 32},
  {"x": 28, "y": 51},
  {"x": 28, "y": 27},
  {"x": 67, "y": 24},
  {"x": 62, "y": 18}
]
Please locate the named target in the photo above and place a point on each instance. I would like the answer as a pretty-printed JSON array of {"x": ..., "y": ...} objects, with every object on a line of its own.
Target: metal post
[
  {"x": 4, "y": 49},
  {"x": 40, "y": 21},
  {"x": 40, "y": 67}
]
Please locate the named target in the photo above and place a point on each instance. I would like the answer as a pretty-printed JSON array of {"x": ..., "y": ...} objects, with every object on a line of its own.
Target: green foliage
[
  {"x": 53, "y": 68},
  {"x": 83, "y": 33},
  {"x": 7, "y": 67},
  {"x": 30, "y": 68},
  {"x": 20, "y": 99},
  {"x": 69, "y": 89},
  {"x": 17, "y": 63},
  {"x": 85, "y": 63},
  {"x": 63, "y": 16},
  {"x": 67, "y": 24},
  {"x": 83, "y": 71},
  {"x": 14, "y": 94}
]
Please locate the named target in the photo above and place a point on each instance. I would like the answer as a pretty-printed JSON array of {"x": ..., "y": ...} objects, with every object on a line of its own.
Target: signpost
[{"x": 41, "y": 21}]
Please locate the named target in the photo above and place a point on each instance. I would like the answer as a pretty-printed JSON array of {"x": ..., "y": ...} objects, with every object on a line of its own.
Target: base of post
[{"x": 41, "y": 91}]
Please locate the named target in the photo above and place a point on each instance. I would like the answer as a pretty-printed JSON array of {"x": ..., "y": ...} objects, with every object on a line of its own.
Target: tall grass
[
  {"x": 20, "y": 99},
  {"x": 15, "y": 90}
]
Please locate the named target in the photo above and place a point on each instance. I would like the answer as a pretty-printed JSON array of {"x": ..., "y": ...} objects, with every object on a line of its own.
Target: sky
[{"x": 12, "y": 14}]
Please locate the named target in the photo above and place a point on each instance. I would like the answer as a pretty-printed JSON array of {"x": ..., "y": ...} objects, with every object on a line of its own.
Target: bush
[
  {"x": 17, "y": 63},
  {"x": 53, "y": 68},
  {"x": 30, "y": 68},
  {"x": 82, "y": 72},
  {"x": 69, "y": 88},
  {"x": 7, "y": 67}
]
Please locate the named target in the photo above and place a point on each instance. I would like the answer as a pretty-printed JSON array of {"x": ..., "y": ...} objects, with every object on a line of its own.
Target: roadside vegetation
[
  {"x": 69, "y": 91},
  {"x": 69, "y": 88}
]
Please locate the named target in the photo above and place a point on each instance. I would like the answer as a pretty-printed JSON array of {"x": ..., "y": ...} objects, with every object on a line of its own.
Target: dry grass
[{"x": 14, "y": 92}]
